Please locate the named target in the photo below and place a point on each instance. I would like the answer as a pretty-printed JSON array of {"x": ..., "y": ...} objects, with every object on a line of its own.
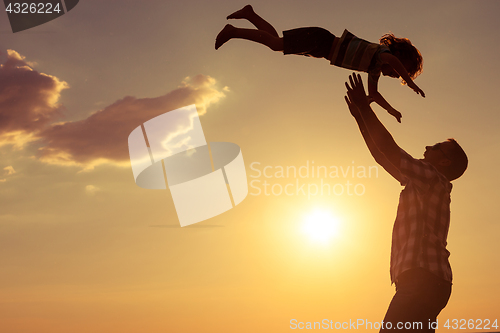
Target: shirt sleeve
[
  {"x": 420, "y": 173},
  {"x": 376, "y": 65}
]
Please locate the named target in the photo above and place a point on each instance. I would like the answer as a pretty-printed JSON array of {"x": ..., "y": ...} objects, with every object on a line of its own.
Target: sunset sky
[{"x": 84, "y": 249}]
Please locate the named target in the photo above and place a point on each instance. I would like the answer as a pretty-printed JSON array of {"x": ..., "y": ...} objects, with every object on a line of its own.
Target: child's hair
[{"x": 408, "y": 54}]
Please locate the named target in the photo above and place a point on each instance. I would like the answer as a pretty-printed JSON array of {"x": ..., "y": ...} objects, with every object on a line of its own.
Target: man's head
[{"x": 448, "y": 158}]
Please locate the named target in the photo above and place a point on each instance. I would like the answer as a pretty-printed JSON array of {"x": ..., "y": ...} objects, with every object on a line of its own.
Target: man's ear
[{"x": 445, "y": 162}]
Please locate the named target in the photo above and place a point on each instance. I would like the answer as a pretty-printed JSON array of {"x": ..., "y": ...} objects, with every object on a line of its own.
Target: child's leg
[
  {"x": 259, "y": 36},
  {"x": 248, "y": 13}
]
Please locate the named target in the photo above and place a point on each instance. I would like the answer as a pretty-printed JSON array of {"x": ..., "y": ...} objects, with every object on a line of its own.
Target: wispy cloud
[
  {"x": 102, "y": 137},
  {"x": 91, "y": 189},
  {"x": 28, "y": 105},
  {"x": 9, "y": 170}
]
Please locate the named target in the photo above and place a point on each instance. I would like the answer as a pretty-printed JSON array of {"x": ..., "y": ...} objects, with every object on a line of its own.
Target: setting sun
[{"x": 320, "y": 226}]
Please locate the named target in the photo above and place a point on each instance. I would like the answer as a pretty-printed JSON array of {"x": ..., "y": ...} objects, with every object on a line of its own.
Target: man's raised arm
[
  {"x": 379, "y": 141},
  {"x": 377, "y": 155}
]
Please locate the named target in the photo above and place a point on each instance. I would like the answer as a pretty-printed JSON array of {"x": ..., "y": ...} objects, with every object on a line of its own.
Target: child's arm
[
  {"x": 374, "y": 95},
  {"x": 394, "y": 62}
]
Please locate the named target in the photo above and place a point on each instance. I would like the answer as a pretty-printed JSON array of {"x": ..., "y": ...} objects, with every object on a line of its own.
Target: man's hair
[{"x": 459, "y": 161}]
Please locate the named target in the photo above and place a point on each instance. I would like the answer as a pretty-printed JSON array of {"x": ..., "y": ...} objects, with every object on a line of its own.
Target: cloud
[
  {"x": 91, "y": 189},
  {"x": 10, "y": 170},
  {"x": 102, "y": 137},
  {"x": 29, "y": 109},
  {"x": 28, "y": 100}
]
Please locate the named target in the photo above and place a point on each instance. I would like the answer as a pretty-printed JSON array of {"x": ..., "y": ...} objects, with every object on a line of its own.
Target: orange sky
[{"x": 84, "y": 249}]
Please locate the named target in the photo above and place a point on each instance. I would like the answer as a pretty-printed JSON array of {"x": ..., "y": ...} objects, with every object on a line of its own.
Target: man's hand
[
  {"x": 356, "y": 93},
  {"x": 353, "y": 108}
]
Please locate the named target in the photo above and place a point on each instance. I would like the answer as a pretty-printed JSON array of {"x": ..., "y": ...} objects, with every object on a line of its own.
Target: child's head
[{"x": 408, "y": 54}]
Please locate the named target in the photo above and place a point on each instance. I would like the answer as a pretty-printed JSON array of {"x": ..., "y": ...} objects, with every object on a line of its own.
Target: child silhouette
[{"x": 393, "y": 57}]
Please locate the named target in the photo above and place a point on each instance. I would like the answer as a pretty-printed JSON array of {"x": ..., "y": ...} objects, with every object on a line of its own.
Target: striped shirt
[
  {"x": 357, "y": 54},
  {"x": 422, "y": 222}
]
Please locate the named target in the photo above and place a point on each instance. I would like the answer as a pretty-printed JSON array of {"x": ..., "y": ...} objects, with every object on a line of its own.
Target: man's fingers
[
  {"x": 357, "y": 79},
  {"x": 347, "y": 101},
  {"x": 355, "y": 88},
  {"x": 349, "y": 97},
  {"x": 353, "y": 85},
  {"x": 347, "y": 86},
  {"x": 360, "y": 81}
]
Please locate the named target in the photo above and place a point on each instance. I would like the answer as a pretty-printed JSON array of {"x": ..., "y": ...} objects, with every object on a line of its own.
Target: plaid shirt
[{"x": 422, "y": 222}]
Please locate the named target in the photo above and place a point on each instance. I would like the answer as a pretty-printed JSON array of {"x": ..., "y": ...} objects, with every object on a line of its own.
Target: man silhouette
[{"x": 419, "y": 258}]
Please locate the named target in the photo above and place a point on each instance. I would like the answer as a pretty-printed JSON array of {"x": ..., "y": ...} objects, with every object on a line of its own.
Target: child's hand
[
  {"x": 395, "y": 113},
  {"x": 416, "y": 89}
]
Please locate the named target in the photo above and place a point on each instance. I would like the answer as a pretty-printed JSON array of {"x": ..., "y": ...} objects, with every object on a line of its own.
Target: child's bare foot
[
  {"x": 242, "y": 13},
  {"x": 224, "y": 36}
]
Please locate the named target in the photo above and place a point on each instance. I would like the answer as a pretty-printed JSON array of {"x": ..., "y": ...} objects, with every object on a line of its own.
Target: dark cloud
[{"x": 28, "y": 100}]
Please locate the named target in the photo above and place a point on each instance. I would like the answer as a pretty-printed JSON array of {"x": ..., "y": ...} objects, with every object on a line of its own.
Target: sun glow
[{"x": 320, "y": 226}]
